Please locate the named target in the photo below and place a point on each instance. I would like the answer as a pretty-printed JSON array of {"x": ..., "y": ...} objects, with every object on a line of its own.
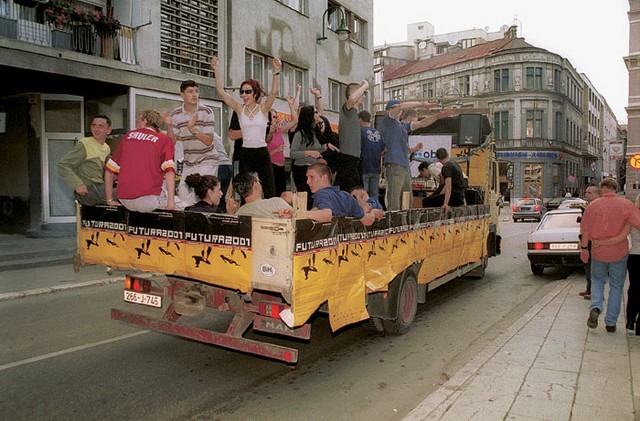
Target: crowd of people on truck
[{"x": 340, "y": 172}]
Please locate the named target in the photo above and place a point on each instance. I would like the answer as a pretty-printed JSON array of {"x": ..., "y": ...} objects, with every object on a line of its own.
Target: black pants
[
  {"x": 258, "y": 160},
  {"x": 349, "y": 174},
  {"x": 633, "y": 293},
  {"x": 280, "y": 178},
  {"x": 299, "y": 173}
]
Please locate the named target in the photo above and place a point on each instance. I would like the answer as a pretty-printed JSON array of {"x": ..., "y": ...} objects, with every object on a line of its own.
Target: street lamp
[{"x": 343, "y": 30}]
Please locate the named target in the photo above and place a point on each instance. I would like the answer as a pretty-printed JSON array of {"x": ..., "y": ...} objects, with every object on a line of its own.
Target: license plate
[
  {"x": 563, "y": 246},
  {"x": 142, "y": 298}
]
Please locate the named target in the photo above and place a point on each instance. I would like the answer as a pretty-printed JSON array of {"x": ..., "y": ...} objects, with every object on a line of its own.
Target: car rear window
[
  {"x": 526, "y": 202},
  {"x": 560, "y": 220}
]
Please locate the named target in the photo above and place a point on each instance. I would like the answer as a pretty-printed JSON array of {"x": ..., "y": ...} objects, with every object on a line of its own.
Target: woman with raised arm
[
  {"x": 306, "y": 149},
  {"x": 253, "y": 117}
]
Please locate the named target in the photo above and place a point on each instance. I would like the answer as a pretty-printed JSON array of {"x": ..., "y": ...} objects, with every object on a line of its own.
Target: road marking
[{"x": 71, "y": 350}]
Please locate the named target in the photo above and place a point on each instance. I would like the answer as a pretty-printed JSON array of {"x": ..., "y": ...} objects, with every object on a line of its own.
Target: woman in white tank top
[{"x": 253, "y": 118}]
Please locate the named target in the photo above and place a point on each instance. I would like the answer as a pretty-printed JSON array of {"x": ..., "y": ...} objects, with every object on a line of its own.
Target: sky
[{"x": 592, "y": 34}]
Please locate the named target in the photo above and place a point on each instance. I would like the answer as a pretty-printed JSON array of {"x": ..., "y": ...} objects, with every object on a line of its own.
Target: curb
[{"x": 50, "y": 290}]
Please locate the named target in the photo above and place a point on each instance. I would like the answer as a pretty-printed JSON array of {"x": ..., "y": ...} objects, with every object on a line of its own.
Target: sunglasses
[{"x": 246, "y": 91}]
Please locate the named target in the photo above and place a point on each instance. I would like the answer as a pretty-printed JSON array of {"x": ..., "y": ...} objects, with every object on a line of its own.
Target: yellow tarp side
[
  {"x": 314, "y": 281},
  {"x": 227, "y": 267}
]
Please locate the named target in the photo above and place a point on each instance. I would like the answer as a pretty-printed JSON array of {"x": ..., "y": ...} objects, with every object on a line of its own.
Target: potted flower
[
  {"x": 55, "y": 13},
  {"x": 105, "y": 25}
]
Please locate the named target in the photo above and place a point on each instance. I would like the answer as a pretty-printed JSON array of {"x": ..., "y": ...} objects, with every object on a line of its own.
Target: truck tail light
[
  {"x": 537, "y": 246},
  {"x": 136, "y": 284},
  {"x": 271, "y": 309}
]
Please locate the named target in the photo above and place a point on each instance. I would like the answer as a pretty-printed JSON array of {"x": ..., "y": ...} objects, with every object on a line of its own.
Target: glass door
[{"x": 62, "y": 126}]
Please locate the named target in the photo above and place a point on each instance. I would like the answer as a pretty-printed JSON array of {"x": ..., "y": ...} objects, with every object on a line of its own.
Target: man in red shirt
[
  {"x": 603, "y": 219},
  {"x": 143, "y": 161}
]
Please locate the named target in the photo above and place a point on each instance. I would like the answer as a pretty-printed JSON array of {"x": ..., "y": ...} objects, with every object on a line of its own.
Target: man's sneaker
[
  {"x": 583, "y": 293},
  {"x": 587, "y": 296},
  {"x": 592, "y": 322},
  {"x": 611, "y": 329}
]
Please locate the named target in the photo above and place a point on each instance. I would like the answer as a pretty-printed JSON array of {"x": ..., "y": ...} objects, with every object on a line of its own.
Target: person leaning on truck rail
[
  {"x": 330, "y": 201},
  {"x": 249, "y": 187},
  {"x": 82, "y": 168},
  {"x": 143, "y": 162}
]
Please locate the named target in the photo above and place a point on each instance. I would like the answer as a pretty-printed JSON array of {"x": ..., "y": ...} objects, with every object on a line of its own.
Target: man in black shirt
[{"x": 454, "y": 184}]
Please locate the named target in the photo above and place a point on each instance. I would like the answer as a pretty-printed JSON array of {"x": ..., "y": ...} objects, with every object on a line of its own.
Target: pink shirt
[
  {"x": 604, "y": 218},
  {"x": 276, "y": 141}
]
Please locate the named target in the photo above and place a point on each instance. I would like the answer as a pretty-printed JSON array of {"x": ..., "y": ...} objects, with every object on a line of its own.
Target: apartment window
[
  {"x": 557, "y": 80},
  {"x": 356, "y": 24},
  {"x": 337, "y": 90},
  {"x": 427, "y": 90},
  {"x": 470, "y": 42},
  {"x": 533, "y": 78},
  {"x": 188, "y": 35},
  {"x": 533, "y": 126},
  {"x": 298, "y": 5},
  {"x": 442, "y": 49},
  {"x": 464, "y": 85},
  {"x": 501, "y": 80},
  {"x": 396, "y": 93},
  {"x": 291, "y": 77},
  {"x": 501, "y": 125},
  {"x": 254, "y": 67},
  {"x": 558, "y": 126}
]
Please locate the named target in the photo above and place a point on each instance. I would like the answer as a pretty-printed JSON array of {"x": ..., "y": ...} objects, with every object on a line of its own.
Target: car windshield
[{"x": 560, "y": 220}]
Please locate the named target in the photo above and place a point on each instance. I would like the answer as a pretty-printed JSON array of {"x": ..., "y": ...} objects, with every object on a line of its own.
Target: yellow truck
[{"x": 273, "y": 275}]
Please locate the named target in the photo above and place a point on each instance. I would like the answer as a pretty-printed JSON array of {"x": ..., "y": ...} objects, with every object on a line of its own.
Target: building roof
[{"x": 478, "y": 51}]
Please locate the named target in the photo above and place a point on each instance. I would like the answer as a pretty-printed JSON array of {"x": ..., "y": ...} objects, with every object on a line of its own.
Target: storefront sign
[{"x": 529, "y": 154}]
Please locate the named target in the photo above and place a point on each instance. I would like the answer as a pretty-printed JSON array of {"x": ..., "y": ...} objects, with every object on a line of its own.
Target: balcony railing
[{"x": 21, "y": 23}]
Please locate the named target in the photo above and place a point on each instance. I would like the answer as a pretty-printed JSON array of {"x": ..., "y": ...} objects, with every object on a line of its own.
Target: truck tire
[{"x": 406, "y": 294}]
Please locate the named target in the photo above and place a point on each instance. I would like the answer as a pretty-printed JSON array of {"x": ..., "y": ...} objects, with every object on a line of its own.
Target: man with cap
[{"x": 396, "y": 137}]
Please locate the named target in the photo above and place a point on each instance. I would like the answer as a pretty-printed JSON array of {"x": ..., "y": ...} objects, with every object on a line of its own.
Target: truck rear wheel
[{"x": 406, "y": 294}]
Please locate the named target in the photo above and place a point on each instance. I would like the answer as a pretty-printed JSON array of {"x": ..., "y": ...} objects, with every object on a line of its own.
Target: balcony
[{"x": 27, "y": 24}]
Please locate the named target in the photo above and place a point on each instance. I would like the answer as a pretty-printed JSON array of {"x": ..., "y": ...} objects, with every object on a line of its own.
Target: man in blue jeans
[
  {"x": 396, "y": 138},
  {"x": 603, "y": 220}
]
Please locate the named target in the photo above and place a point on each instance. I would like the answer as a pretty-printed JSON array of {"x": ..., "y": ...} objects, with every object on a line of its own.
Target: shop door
[
  {"x": 62, "y": 127},
  {"x": 532, "y": 183}
]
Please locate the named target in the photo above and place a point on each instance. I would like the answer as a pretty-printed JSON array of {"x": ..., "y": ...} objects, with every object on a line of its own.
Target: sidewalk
[
  {"x": 547, "y": 366},
  {"x": 34, "y": 266}
]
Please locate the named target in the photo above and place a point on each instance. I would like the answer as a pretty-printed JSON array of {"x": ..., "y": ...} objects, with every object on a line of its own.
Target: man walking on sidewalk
[
  {"x": 591, "y": 193},
  {"x": 604, "y": 218}
]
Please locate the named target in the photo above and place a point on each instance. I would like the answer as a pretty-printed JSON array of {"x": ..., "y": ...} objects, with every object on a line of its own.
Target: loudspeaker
[{"x": 470, "y": 130}]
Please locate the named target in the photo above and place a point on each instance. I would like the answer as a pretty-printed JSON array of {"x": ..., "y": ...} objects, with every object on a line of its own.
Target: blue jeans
[
  {"x": 616, "y": 272},
  {"x": 371, "y": 183}
]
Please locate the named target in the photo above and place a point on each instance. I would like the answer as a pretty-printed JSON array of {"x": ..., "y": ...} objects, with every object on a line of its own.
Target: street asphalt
[{"x": 546, "y": 366}]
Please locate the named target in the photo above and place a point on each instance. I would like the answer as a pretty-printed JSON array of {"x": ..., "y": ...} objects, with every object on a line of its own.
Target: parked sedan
[
  {"x": 555, "y": 241},
  {"x": 555, "y": 203},
  {"x": 528, "y": 209}
]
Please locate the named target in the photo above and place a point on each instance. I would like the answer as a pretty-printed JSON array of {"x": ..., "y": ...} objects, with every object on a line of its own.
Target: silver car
[
  {"x": 528, "y": 209},
  {"x": 555, "y": 241}
]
